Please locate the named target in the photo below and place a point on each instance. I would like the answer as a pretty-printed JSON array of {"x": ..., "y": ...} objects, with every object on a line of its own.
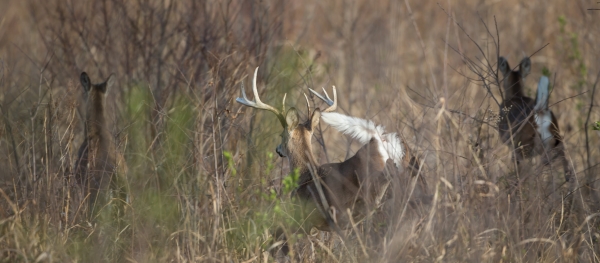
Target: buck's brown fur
[
  {"x": 98, "y": 159},
  {"x": 343, "y": 183},
  {"x": 352, "y": 184},
  {"x": 325, "y": 193}
]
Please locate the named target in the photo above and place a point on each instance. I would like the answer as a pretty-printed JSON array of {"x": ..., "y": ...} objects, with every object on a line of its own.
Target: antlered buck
[
  {"x": 326, "y": 192},
  {"x": 527, "y": 124}
]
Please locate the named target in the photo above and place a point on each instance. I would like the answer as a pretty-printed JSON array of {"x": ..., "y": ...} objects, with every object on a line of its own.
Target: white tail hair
[
  {"x": 543, "y": 116},
  {"x": 541, "y": 100},
  {"x": 364, "y": 130}
]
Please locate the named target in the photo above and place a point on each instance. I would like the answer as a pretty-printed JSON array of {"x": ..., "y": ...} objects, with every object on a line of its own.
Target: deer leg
[
  {"x": 558, "y": 152},
  {"x": 325, "y": 213}
]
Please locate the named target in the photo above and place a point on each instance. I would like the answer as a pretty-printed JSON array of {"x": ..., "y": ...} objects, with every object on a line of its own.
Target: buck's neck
[{"x": 301, "y": 153}]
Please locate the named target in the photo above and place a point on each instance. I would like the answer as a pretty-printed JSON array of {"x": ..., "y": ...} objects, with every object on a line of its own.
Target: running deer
[
  {"x": 326, "y": 192},
  {"x": 527, "y": 125},
  {"x": 98, "y": 160}
]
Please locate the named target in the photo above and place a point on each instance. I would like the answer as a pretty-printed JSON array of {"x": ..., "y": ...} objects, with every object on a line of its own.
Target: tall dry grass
[{"x": 205, "y": 183}]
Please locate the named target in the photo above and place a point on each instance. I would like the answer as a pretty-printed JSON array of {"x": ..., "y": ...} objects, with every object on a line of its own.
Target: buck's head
[
  {"x": 296, "y": 136},
  {"x": 513, "y": 79}
]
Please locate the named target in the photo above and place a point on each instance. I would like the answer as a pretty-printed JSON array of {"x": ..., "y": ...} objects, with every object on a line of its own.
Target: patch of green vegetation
[
  {"x": 158, "y": 209},
  {"x": 570, "y": 41},
  {"x": 177, "y": 135},
  {"x": 156, "y": 157},
  {"x": 572, "y": 49},
  {"x": 229, "y": 159},
  {"x": 546, "y": 72},
  {"x": 290, "y": 182},
  {"x": 255, "y": 229},
  {"x": 562, "y": 21},
  {"x": 137, "y": 113},
  {"x": 270, "y": 163}
]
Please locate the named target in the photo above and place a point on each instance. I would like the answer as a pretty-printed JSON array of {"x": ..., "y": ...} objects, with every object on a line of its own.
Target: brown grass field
[{"x": 205, "y": 182}]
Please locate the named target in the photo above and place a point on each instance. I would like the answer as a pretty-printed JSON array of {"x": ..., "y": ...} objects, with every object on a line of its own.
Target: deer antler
[
  {"x": 257, "y": 103},
  {"x": 307, "y": 105},
  {"x": 326, "y": 99}
]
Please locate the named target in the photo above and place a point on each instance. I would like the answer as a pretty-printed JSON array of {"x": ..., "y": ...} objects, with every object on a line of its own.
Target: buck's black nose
[{"x": 280, "y": 155}]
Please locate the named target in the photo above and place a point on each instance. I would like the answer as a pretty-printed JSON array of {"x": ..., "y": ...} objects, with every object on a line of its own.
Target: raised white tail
[
  {"x": 541, "y": 100},
  {"x": 364, "y": 130},
  {"x": 543, "y": 116}
]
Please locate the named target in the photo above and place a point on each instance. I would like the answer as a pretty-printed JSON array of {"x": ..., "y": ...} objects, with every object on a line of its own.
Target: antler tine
[
  {"x": 257, "y": 103},
  {"x": 283, "y": 105},
  {"x": 332, "y": 103},
  {"x": 307, "y": 105}
]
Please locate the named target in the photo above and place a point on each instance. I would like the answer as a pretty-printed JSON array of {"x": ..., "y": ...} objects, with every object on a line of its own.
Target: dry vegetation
[{"x": 205, "y": 182}]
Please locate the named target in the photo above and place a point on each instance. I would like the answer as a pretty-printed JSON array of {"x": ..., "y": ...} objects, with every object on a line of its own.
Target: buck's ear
[
  {"x": 503, "y": 66},
  {"x": 525, "y": 67},
  {"x": 85, "y": 81},
  {"x": 291, "y": 119},
  {"x": 314, "y": 119}
]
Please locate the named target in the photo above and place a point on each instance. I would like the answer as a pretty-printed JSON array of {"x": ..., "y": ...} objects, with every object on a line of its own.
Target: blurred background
[{"x": 205, "y": 182}]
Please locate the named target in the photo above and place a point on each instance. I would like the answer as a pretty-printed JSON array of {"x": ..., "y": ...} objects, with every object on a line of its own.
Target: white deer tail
[
  {"x": 541, "y": 99},
  {"x": 543, "y": 116},
  {"x": 364, "y": 130}
]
